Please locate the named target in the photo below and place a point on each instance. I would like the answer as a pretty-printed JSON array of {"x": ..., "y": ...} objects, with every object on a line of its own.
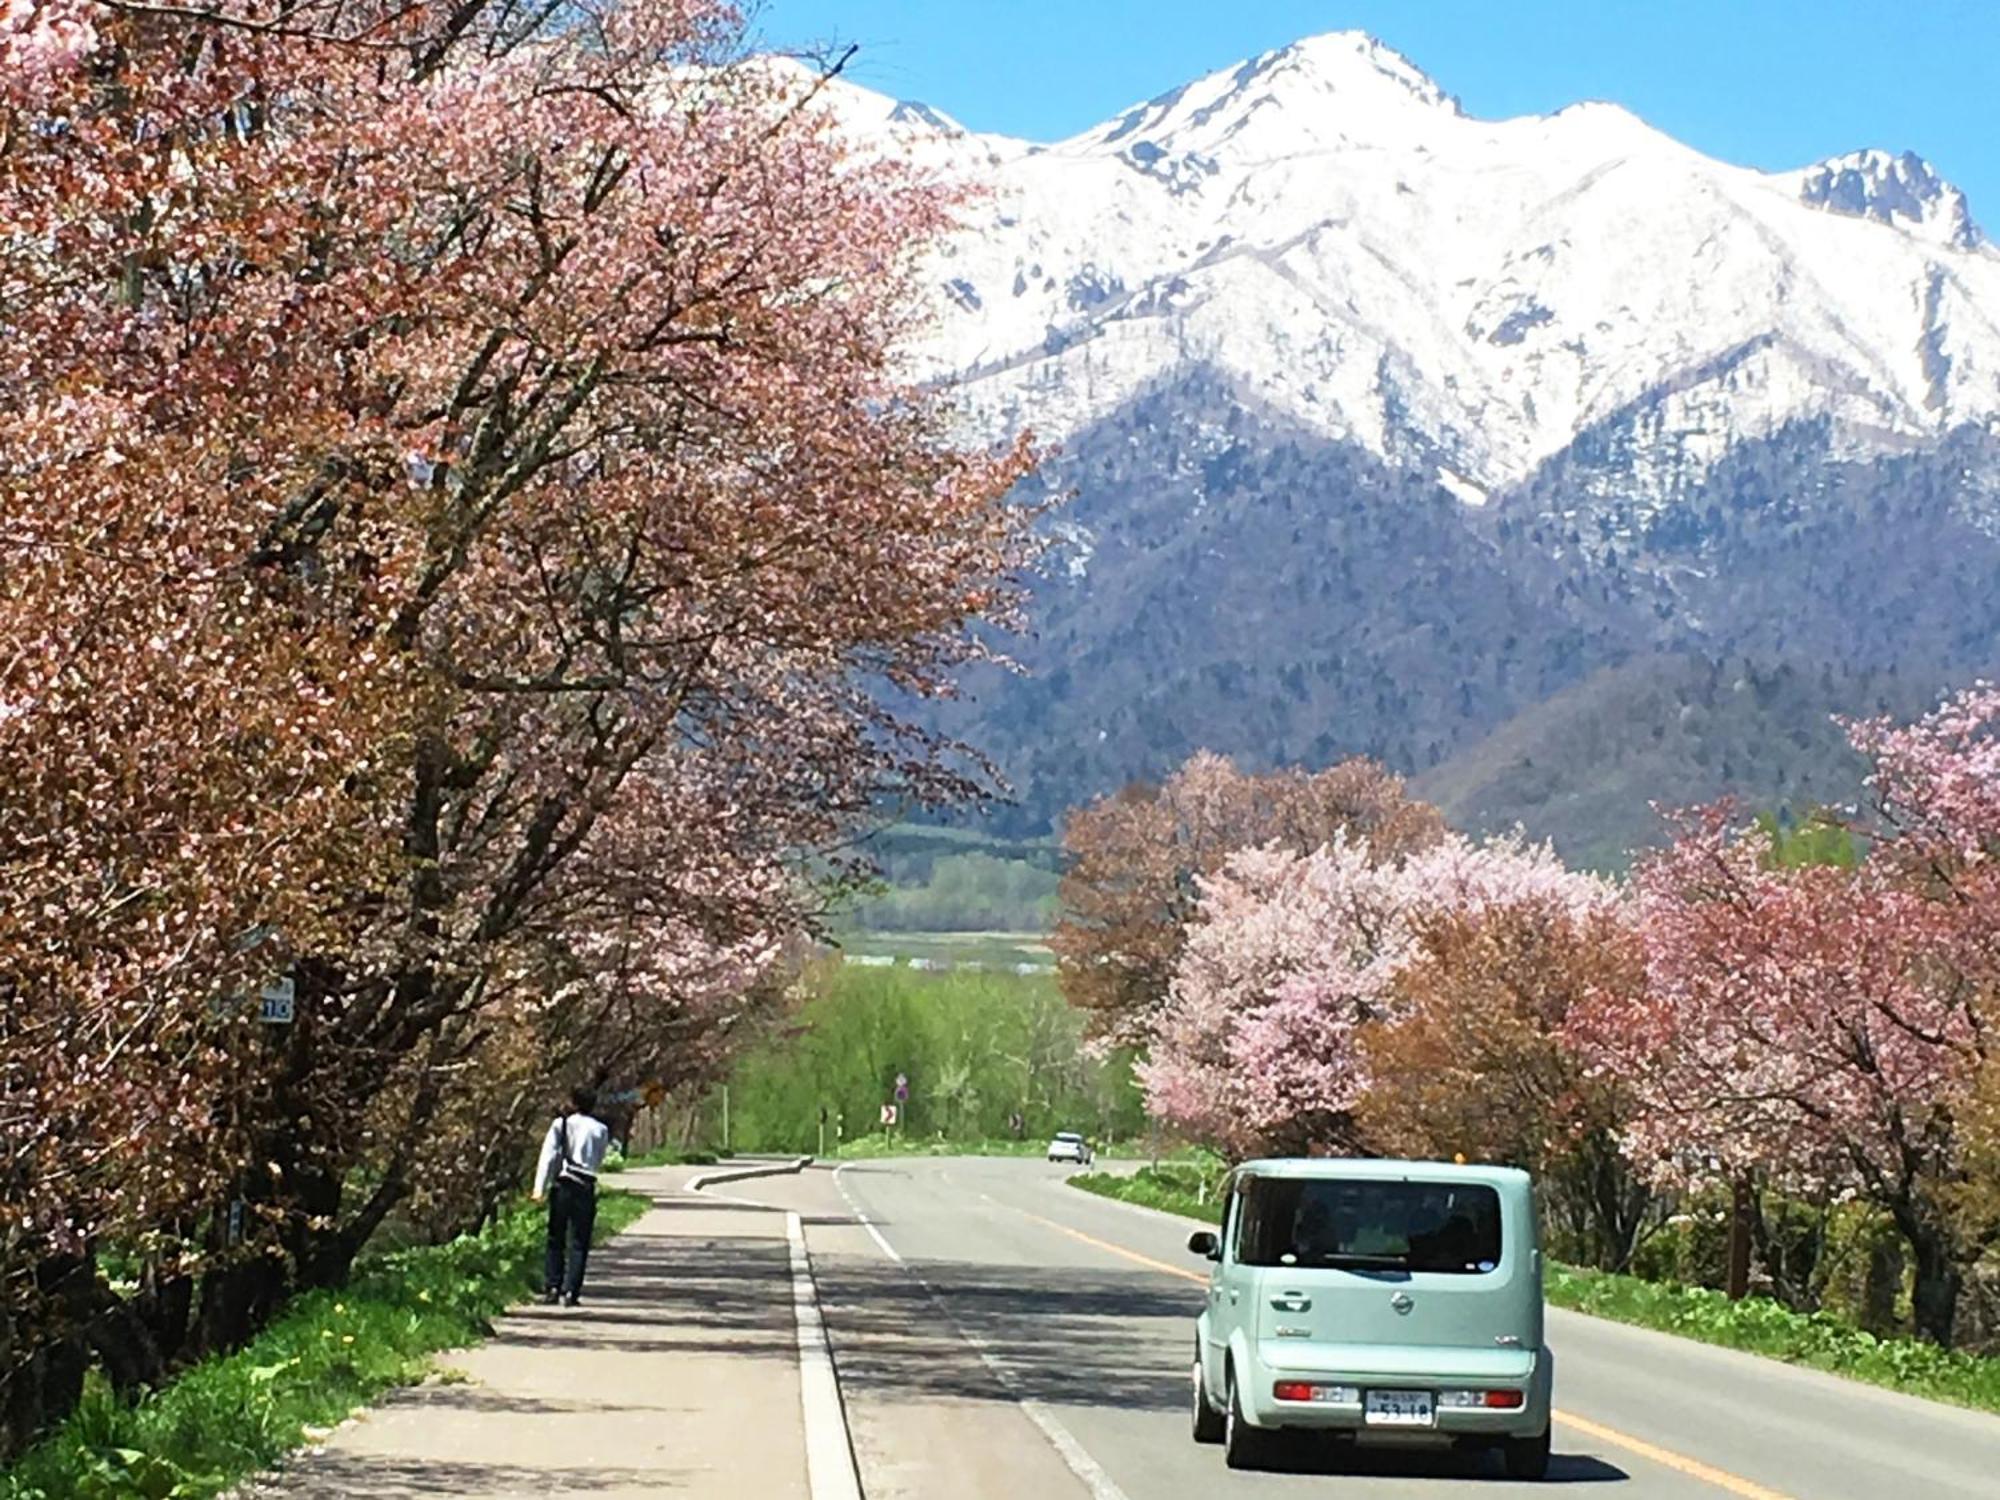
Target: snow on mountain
[
  {"x": 1905, "y": 191},
  {"x": 1326, "y": 226},
  {"x": 914, "y": 130}
]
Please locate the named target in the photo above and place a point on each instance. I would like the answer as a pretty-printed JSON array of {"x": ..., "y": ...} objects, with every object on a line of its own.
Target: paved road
[{"x": 998, "y": 1333}]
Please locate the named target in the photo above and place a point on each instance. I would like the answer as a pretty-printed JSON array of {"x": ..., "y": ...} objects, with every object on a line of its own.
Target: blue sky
[{"x": 1766, "y": 83}]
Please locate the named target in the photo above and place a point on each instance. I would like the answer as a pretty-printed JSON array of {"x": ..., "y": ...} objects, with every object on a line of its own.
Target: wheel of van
[
  {"x": 1527, "y": 1458},
  {"x": 1243, "y": 1446},
  {"x": 1206, "y": 1422}
]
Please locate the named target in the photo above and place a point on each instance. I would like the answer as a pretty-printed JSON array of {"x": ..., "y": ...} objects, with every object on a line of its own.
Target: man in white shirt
[{"x": 572, "y": 1152}]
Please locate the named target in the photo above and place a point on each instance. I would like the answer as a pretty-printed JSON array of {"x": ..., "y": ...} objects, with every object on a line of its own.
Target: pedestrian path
[{"x": 679, "y": 1375}]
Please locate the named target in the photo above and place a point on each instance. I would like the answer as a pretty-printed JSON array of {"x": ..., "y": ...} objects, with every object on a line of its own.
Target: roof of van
[{"x": 1385, "y": 1169}]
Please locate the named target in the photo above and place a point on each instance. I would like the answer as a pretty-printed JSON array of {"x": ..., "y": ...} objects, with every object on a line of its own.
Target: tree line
[
  {"x": 1801, "y": 1018},
  {"x": 466, "y": 545},
  {"x": 984, "y": 1057}
]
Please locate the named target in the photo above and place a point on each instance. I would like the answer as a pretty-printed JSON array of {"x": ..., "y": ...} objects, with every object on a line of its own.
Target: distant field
[{"x": 995, "y": 949}]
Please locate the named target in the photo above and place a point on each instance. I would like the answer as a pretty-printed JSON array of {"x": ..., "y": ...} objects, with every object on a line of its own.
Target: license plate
[{"x": 1399, "y": 1409}]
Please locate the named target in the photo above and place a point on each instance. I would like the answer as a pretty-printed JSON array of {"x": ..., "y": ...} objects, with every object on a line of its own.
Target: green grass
[
  {"x": 1186, "y": 1187},
  {"x": 330, "y": 1353},
  {"x": 1760, "y": 1326},
  {"x": 1756, "y": 1325},
  {"x": 661, "y": 1156},
  {"x": 974, "y": 1048},
  {"x": 881, "y": 1144}
]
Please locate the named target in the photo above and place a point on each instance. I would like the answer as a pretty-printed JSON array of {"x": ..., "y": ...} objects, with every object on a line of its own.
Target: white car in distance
[{"x": 1069, "y": 1146}]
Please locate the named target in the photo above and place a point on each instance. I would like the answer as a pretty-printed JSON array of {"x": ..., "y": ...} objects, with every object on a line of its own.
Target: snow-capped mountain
[
  {"x": 1326, "y": 224},
  {"x": 1547, "y": 459}
]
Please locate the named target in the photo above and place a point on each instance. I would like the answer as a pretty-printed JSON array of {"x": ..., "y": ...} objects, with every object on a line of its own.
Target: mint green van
[{"x": 1374, "y": 1297}]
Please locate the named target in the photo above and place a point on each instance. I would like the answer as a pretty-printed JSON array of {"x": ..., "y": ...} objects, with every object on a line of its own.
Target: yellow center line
[
  {"x": 1694, "y": 1468},
  {"x": 1131, "y": 1255}
]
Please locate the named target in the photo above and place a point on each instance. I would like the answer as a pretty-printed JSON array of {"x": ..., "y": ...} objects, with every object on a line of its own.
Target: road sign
[
  {"x": 888, "y": 1114},
  {"x": 277, "y": 1001},
  {"x": 902, "y": 1087}
]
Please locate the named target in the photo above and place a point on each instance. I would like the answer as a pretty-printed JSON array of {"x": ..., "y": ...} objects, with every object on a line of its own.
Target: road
[{"x": 999, "y": 1333}]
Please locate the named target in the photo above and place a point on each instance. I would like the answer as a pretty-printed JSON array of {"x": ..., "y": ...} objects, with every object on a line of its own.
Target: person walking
[{"x": 572, "y": 1152}]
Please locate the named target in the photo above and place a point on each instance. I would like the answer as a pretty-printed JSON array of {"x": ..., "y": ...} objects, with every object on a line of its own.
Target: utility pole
[{"x": 725, "y": 1119}]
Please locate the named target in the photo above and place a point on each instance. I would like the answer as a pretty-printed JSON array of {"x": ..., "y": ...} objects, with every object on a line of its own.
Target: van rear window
[{"x": 1364, "y": 1224}]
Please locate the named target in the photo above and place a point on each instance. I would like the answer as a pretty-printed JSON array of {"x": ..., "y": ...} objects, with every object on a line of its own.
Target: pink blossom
[
  {"x": 40, "y": 38},
  {"x": 1290, "y": 956}
]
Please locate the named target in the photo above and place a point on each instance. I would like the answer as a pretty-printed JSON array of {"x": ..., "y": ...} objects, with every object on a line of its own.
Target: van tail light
[
  {"x": 1500, "y": 1400},
  {"x": 1305, "y": 1390}
]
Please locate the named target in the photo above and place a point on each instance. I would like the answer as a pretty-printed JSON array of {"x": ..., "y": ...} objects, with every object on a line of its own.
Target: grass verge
[
  {"x": 1756, "y": 1325},
  {"x": 664, "y": 1156},
  {"x": 330, "y": 1353},
  {"x": 1187, "y": 1188}
]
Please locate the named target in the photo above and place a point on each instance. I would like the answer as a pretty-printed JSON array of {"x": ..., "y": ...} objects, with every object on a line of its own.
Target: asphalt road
[{"x": 998, "y": 1333}]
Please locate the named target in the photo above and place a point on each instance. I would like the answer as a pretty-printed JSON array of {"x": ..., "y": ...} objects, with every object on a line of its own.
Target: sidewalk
[{"x": 678, "y": 1374}]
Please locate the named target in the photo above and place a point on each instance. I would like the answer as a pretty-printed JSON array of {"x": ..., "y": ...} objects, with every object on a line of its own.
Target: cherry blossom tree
[
  {"x": 1818, "y": 1025},
  {"x": 1135, "y": 860},
  {"x": 1292, "y": 957},
  {"x": 456, "y": 489},
  {"x": 1478, "y": 1062}
]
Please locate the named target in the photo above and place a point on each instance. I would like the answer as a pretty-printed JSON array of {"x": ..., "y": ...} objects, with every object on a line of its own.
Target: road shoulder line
[{"x": 831, "y": 1473}]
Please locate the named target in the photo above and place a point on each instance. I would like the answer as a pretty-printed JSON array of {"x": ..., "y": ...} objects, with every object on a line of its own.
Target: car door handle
[{"x": 1234, "y": 1294}]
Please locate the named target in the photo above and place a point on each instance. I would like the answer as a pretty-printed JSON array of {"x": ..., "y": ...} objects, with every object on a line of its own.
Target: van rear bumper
[{"x": 1531, "y": 1372}]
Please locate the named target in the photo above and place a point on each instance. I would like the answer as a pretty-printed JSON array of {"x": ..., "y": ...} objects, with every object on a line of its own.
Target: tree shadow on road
[
  {"x": 1058, "y": 1335},
  {"x": 942, "y": 1331}
]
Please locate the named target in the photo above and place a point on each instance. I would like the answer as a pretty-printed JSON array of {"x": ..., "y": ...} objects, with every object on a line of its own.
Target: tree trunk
[
  {"x": 1937, "y": 1270},
  {"x": 42, "y": 1363},
  {"x": 1737, "y": 1278},
  {"x": 125, "y": 1345},
  {"x": 319, "y": 1249},
  {"x": 239, "y": 1296},
  {"x": 1614, "y": 1203},
  {"x": 1881, "y": 1285},
  {"x": 1935, "y": 1287}
]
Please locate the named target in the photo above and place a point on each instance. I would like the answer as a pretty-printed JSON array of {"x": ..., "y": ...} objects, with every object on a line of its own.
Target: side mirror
[{"x": 1204, "y": 1243}]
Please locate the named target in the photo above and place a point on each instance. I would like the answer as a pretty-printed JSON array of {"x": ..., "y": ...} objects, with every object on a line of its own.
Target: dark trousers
[{"x": 572, "y": 1214}]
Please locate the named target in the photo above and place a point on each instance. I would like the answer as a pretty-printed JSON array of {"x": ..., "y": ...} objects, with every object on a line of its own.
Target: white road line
[
  {"x": 1100, "y": 1484},
  {"x": 830, "y": 1470}
]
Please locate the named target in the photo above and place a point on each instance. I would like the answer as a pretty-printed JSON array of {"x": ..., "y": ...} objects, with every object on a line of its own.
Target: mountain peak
[
  {"x": 1323, "y": 92},
  {"x": 1900, "y": 190},
  {"x": 1351, "y": 59}
]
